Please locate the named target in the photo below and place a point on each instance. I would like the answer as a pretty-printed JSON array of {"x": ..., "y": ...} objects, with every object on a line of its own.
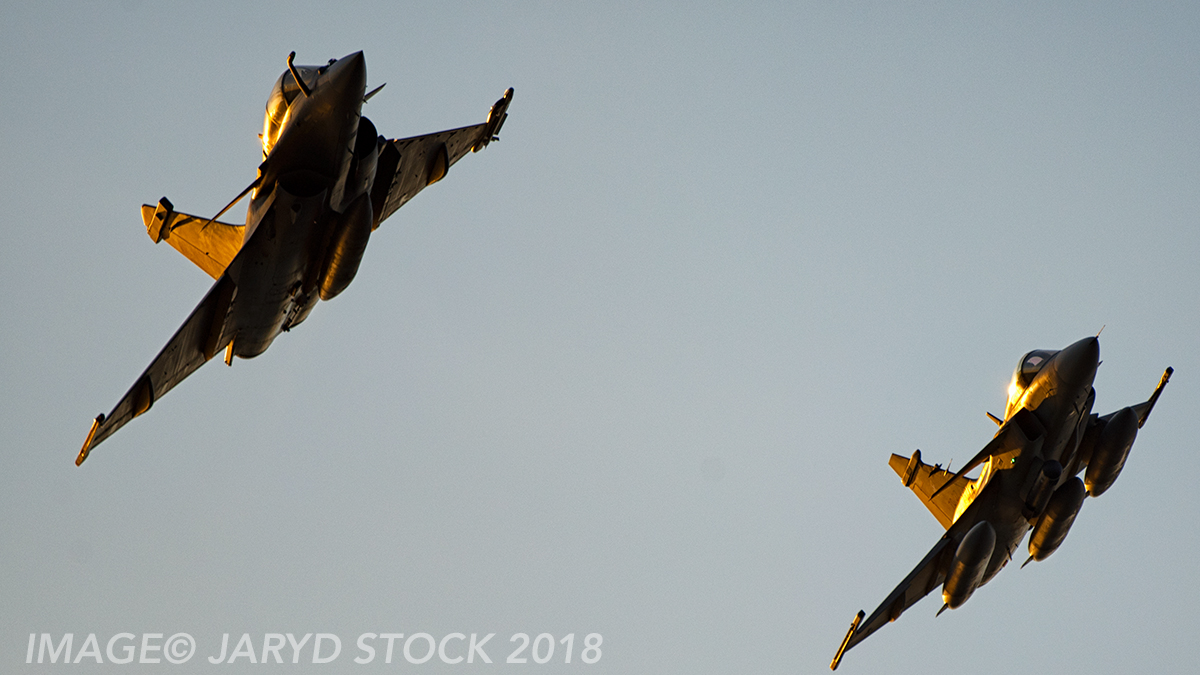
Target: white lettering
[
  {"x": 478, "y": 648},
  {"x": 390, "y": 638},
  {"x": 47, "y": 645},
  {"x": 442, "y": 648},
  {"x": 243, "y": 648},
  {"x": 337, "y": 647},
  {"x": 129, "y": 649},
  {"x": 296, "y": 647},
  {"x": 219, "y": 659},
  {"x": 549, "y": 650},
  {"x": 362, "y": 644},
  {"x": 272, "y": 643},
  {"x": 147, "y": 647},
  {"x": 428, "y": 655},
  {"x": 94, "y": 652}
]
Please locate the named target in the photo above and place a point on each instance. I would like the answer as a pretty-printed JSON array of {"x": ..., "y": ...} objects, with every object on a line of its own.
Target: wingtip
[
  {"x": 87, "y": 445},
  {"x": 837, "y": 659}
]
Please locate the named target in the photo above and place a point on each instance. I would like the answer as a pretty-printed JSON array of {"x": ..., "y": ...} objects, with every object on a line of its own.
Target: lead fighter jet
[
  {"x": 326, "y": 181},
  {"x": 1029, "y": 480}
]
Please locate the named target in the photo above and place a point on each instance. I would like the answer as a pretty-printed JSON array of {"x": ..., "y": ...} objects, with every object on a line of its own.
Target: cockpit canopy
[
  {"x": 1028, "y": 368},
  {"x": 280, "y": 101},
  {"x": 1030, "y": 365}
]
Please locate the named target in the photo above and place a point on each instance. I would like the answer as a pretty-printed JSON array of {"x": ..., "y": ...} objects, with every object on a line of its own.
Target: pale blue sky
[{"x": 637, "y": 369}]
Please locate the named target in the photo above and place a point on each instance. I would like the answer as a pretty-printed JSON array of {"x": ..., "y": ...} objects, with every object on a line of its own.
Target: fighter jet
[
  {"x": 327, "y": 180},
  {"x": 1029, "y": 481}
]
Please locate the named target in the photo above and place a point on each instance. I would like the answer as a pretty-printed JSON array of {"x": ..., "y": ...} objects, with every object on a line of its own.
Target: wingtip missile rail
[
  {"x": 849, "y": 634},
  {"x": 495, "y": 120},
  {"x": 87, "y": 445}
]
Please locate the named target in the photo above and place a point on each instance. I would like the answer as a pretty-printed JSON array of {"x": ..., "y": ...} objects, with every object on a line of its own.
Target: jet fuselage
[
  {"x": 301, "y": 194},
  {"x": 1059, "y": 395}
]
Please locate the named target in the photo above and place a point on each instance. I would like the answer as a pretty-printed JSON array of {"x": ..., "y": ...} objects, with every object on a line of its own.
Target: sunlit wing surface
[
  {"x": 196, "y": 341},
  {"x": 1020, "y": 432},
  {"x": 210, "y": 244},
  {"x": 925, "y": 480},
  {"x": 408, "y": 165}
]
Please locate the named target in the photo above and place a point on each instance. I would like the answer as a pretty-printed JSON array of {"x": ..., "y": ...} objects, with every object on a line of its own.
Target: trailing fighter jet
[
  {"x": 327, "y": 180},
  {"x": 1029, "y": 480}
]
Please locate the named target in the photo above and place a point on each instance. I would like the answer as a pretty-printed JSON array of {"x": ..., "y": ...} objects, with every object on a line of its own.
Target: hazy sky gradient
[{"x": 636, "y": 369}]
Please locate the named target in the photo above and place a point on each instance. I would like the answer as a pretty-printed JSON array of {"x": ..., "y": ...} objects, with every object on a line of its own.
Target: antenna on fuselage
[
  {"x": 373, "y": 92},
  {"x": 296, "y": 75}
]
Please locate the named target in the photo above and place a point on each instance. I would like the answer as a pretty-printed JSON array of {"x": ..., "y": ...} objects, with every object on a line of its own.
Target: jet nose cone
[
  {"x": 355, "y": 60},
  {"x": 349, "y": 73},
  {"x": 1078, "y": 362}
]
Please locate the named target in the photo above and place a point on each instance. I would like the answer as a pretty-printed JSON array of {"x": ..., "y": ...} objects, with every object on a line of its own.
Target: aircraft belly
[
  {"x": 1004, "y": 513},
  {"x": 1061, "y": 417},
  {"x": 271, "y": 275},
  {"x": 999, "y": 505}
]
